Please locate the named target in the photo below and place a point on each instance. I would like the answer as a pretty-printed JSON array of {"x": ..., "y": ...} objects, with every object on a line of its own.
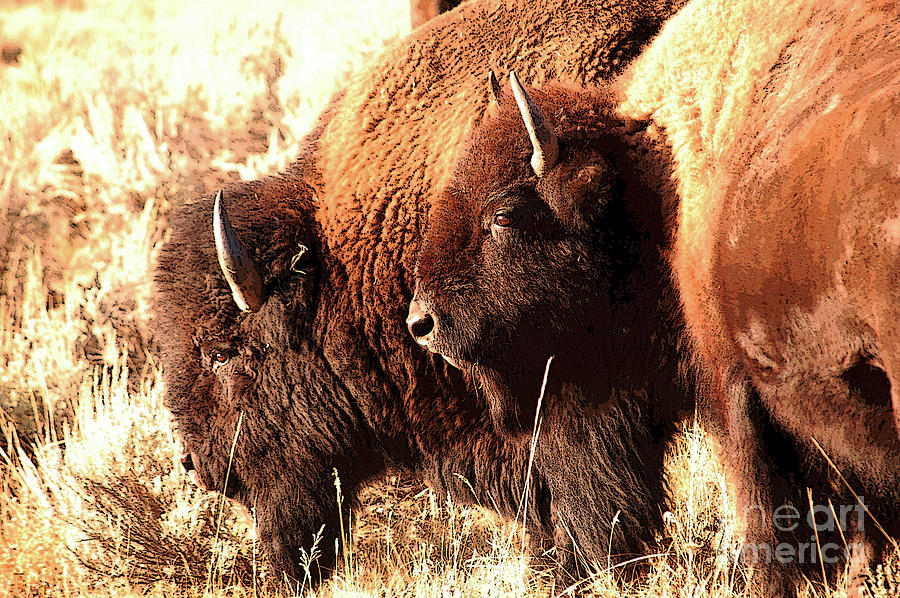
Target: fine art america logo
[{"x": 830, "y": 529}]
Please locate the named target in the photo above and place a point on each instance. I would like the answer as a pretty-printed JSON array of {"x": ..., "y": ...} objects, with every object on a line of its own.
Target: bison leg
[
  {"x": 756, "y": 497},
  {"x": 862, "y": 555},
  {"x": 842, "y": 436}
]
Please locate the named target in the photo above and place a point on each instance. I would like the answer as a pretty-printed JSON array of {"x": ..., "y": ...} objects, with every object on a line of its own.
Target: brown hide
[
  {"x": 324, "y": 374},
  {"x": 783, "y": 128}
]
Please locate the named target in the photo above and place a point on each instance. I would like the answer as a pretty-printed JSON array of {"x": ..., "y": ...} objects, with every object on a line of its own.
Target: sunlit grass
[{"x": 115, "y": 112}]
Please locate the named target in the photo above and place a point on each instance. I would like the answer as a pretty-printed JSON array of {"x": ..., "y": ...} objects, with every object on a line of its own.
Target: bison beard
[{"x": 323, "y": 374}]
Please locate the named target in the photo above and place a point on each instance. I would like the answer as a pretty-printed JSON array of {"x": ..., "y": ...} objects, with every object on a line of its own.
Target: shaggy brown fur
[
  {"x": 575, "y": 270},
  {"x": 324, "y": 374},
  {"x": 788, "y": 254}
]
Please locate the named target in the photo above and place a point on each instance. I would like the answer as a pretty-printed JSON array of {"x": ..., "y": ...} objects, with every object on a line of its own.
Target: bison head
[
  {"x": 532, "y": 247},
  {"x": 250, "y": 393}
]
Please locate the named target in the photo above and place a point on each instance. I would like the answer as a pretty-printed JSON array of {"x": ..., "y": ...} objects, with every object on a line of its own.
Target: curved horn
[
  {"x": 543, "y": 139},
  {"x": 237, "y": 266}
]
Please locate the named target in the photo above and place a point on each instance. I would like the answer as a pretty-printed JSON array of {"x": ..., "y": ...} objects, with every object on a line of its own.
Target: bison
[
  {"x": 279, "y": 301},
  {"x": 542, "y": 244},
  {"x": 549, "y": 240},
  {"x": 767, "y": 152},
  {"x": 787, "y": 259},
  {"x": 246, "y": 361}
]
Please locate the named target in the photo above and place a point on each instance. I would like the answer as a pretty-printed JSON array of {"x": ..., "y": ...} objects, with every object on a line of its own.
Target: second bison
[{"x": 548, "y": 242}]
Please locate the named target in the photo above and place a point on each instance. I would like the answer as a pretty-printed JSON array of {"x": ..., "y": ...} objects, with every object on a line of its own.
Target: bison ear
[
  {"x": 540, "y": 131},
  {"x": 591, "y": 189},
  {"x": 303, "y": 261},
  {"x": 237, "y": 266},
  {"x": 494, "y": 93}
]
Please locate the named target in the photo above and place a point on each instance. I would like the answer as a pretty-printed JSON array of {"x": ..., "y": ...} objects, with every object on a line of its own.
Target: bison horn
[
  {"x": 236, "y": 264},
  {"x": 543, "y": 139}
]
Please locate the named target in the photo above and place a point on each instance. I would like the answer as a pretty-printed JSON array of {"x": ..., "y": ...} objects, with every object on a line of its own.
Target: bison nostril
[
  {"x": 419, "y": 322},
  {"x": 187, "y": 462},
  {"x": 421, "y": 326}
]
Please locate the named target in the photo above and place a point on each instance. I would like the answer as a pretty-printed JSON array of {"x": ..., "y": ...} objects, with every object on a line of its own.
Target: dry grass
[{"x": 115, "y": 111}]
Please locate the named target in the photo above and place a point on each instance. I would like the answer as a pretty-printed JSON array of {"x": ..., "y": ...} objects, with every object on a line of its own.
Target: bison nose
[{"x": 420, "y": 323}]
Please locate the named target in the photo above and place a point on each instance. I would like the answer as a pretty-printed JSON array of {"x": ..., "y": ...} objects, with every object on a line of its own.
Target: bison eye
[
  {"x": 502, "y": 219},
  {"x": 220, "y": 357}
]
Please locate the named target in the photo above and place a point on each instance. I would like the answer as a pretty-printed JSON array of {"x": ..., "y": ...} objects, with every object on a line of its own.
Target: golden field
[{"x": 113, "y": 115}]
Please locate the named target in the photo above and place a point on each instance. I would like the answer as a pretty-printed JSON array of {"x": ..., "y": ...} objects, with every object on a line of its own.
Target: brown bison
[
  {"x": 243, "y": 313},
  {"x": 287, "y": 342},
  {"x": 788, "y": 259},
  {"x": 783, "y": 208},
  {"x": 548, "y": 241}
]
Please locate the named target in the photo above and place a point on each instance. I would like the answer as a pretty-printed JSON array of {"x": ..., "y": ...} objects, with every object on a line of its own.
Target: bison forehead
[{"x": 495, "y": 154}]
